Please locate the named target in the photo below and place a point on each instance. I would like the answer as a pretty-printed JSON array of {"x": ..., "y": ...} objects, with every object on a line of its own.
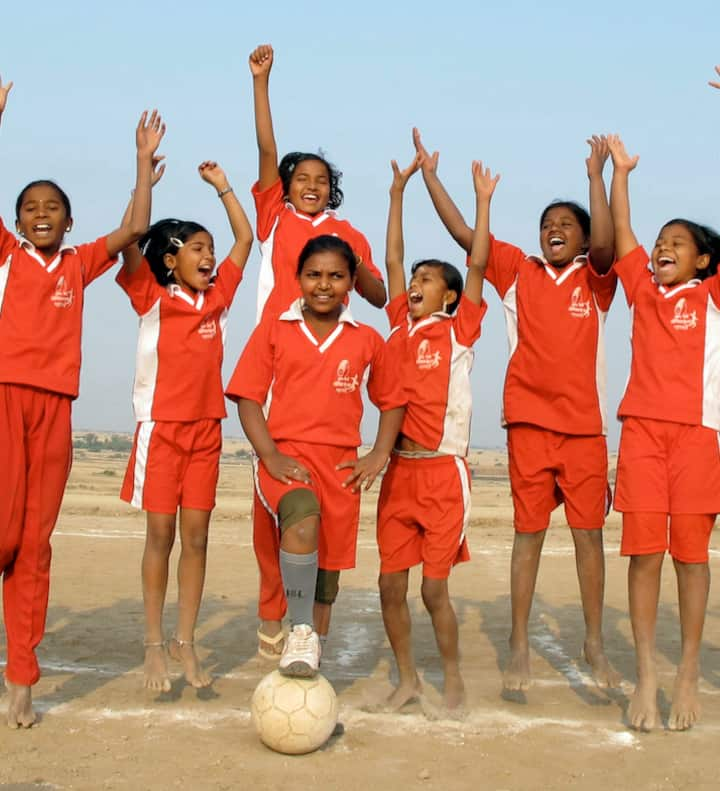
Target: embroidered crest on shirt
[
  {"x": 208, "y": 329},
  {"x": 345, "y": 382},
  {"x": 62, "y": 297},
  {"x": 683, "y": 319},
  {"x": 578, "y": 307},
  {"x": 426, "y": 358}
]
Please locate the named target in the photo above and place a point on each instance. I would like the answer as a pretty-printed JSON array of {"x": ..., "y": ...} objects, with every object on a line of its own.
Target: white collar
[
  {"x": 51, "y": 265},
  {"x": 295, "y": 313},
  {"x": 176, "y": 291},
  {"x": 314, "y": 219}
]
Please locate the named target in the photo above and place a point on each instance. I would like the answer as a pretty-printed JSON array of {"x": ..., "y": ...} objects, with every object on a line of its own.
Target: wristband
[{"x": 224, "y": 192}]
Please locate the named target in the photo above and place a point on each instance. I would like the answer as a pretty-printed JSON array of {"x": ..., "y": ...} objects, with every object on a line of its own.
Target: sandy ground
[{"x": 99, "y": 730}]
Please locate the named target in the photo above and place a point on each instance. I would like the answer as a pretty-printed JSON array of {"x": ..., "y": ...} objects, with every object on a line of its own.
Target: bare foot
[
  {"x": 20, "y": 713},
  {"x": 643, "y": 712},
  {"x": 517, "y": 673},
  {"x": 271, "y": 640},
  {"x": 453, "y": 692},
  {"x": 183, "y": 651},
  {"x": 402, "y": 695},
  {"x": 155, "y": 669},
  {"x": 603, "y": 673},
  {"x": 685, "y": 708}
]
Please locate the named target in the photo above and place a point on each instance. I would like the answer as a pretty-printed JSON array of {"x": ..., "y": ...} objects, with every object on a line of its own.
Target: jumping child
[
  {"x": 179, "y": 404},
  {"x": 315, "y": 357},
  {"x": 668, "y": 474},
  {"x": 424, "y": 504},
  {"x": 295, "y": 200},
  {"x": 42, "y": 281},
  {"x": 554, "y": 396}
]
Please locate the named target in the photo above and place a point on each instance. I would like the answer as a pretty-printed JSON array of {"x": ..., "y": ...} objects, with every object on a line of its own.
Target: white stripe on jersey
[
  {"x": 142, "y": 445},
  {"x": 601, "y": 365},
  {"x": 456, "y": 424},
  {"x": 4, "y": 275},
  {"x": 511, "y": 327},
  {"x": 711, "y": 368},
  {"x": 266, "y": 276},
  {"x": 146, "y": 363}
]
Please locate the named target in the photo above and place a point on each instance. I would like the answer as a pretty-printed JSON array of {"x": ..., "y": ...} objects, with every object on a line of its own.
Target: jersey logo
[
  {"x": 427, "y": 359},
  {"x": 345, "y": 382},
  {"x": 683, "y": 319},
  {"x": 62, "y": 297},
  {"x": 207, "y": 329},
  {"x": 578, "y": 308}
]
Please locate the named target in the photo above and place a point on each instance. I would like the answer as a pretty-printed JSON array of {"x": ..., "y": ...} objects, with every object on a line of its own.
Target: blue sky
[{"x": 519, "y": 85}]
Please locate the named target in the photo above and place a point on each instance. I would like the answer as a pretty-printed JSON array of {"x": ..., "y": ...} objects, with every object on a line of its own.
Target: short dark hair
[
  {"x": 328, "y": 244},
  {"x": 451, "y": 276},
  {"x": 161, "y": 238},
  {"x": 43, "y": 183},
  {"x": 580, "y": 212},
  {"x": 290, "y": 161},
  {"x": 707, "y": 241}
]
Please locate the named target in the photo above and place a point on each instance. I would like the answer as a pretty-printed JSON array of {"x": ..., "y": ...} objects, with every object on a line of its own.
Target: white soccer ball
[{"x": 294, "y": 715}]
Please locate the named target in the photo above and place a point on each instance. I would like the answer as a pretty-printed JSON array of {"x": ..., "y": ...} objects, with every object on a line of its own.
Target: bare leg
[
  {"x": 590, "y": 564},
  {"x": 693, "y": 588},
  {"x": 523, "y": 576},
  {"x": 644, "y": 575},
  {"x": 191, "y": 580},
  {"x": 158, "y": 545},
  {"x": 321, "y": 618},
  {"x": 396, "y": 617},
  {"x": 437, "y": 600},
  {"x": 20, "y": 713}
]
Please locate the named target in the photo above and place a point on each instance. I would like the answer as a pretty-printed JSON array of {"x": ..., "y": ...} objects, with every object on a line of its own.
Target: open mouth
[
  {"x": 415, "y": 297},
  {"x": 205, "y": 270},
  {"x": 42, "y": 228},
  {"x": 665, "y": 260},
  {"x": 556, "y": 242}
]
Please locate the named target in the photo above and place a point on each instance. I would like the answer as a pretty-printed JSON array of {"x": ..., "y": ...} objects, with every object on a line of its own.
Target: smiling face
[
  {"x": 428, "y": 292},
  {"x": 42, "y": 218},
  {"x": 193, "y": 264},
  {"x": 309, "y": 189},
  {"x": 562, "y": 238},
  {"x": 675, "y": 257},
  {"x": 325, "y": 281}
]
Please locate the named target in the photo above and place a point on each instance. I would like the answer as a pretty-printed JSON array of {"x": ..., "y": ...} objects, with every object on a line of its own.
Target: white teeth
[
  {"x": 556, "y": 240},
  {"x": 665, "y": 260}
]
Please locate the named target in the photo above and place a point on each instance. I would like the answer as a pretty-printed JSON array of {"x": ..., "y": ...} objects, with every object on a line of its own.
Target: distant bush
[{"x": 93, "y": 443}]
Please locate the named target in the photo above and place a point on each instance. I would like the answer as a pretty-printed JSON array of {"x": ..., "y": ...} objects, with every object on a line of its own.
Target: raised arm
[
  {"x": 448, "y": 212},
  {"x": 623, "y": 163},
  {"x": 239, "y": 223},
  {"x": 370, "y": 286},
  {"x": 261, "y": 60},
  {"x": 602, "y": 236},
  {"x": 484, "y": 184},
  {"x": 148, "y": 135},
  {"x": 132, "y": 257},
  {"x": 394, "y": 243},
  {"x": 4, "y": 91}
]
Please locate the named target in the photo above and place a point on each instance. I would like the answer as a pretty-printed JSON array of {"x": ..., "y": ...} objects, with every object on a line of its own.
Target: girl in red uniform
[
  {"x": 668, "y": 474},
  {"x": 179, "y": 404},
  {"x": 295, "y": 201},
  {"x": 41, "y": 299}
]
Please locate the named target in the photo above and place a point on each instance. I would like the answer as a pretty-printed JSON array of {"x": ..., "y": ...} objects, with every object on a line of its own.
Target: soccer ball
[{"x": 294, "y": 715}]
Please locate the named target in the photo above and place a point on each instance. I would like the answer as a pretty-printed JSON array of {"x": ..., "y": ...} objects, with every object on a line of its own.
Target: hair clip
[{"x": 176, "y": 242}]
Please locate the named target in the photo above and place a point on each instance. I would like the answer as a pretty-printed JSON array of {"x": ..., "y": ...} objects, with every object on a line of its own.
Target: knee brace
[
  {"x": 327, "y": 586},
  {"x": 296, "y": 506}
]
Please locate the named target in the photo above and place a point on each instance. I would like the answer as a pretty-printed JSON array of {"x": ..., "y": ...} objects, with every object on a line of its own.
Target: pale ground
[{"x": 99, "y": 730}]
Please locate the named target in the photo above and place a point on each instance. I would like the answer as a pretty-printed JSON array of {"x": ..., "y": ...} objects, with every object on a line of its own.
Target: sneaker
[{"x": 301, "y": 655}]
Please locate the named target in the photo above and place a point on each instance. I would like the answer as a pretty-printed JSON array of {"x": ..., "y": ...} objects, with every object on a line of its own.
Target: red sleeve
[
  {"x": 141, "y": 286},
  {"x": 603, "y": 286},
  {"x": 384, "y": 385},
  {"x": 713, "y": 285},
  {"x": 361, "y": 246},
  {"x": 95, "y": 259},
  {"x": 8, "y": 242},
  {"x": 397, "y": 310},
  {"x": 229, "y": 277},
  {"x": 253, "y": 373},
  {"x": 631, "y": 269},
  {"x": 503, "y": 265},
  {"x": 467, "y": 320},
  {"x": 268, "y": 205}
]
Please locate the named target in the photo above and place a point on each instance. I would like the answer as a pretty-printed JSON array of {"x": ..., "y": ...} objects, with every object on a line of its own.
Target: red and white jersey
[
  {"x": 434, "y": 355},
  {"x": 556, "y": 376},
  {"x": 41, "y": 304},
  {"x": 675, "y": 368},
  {"x": 310, "y": 388},
  {"x": 283, "y": 232},
  {"x": 178, "y": 367}
]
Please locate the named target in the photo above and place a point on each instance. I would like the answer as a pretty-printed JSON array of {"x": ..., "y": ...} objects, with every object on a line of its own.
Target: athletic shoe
[{"x": 301, "y": 655}]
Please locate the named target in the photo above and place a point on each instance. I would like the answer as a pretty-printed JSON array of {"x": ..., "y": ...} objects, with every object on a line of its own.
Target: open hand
[
  {"x": 710, "y": 82},
  {"x": 286, "y": 469},
  {"x": 261, "y": 60},
  {"x": 483, "y": 180},
  {"x": 599, "y": 152},
  {"x": 149, "y": 133},
  {"x": 4, "y": 91},
  {"x": 429, "y": 162},
  {"x": 364, "y": 470},
  {"x": 401, "y": 177},
  {"x": 620, "y": 157},
  {"x": 158, "y": 168}
]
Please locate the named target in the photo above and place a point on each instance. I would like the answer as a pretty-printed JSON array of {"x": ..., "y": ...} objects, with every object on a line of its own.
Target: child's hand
[
  {"x": 286, "y": 469},
  {"x": 4, "y": 91},
  {"x": 620, "y": 157},
  {"x": 483, "y": 181},
  {"x": 158, "y": 168},
  {"x": 429, "y": 162},
  {"x": 401, "y": 177},
  {"x": 212, "y": 173},
  {"x": 710, "y": 82},
  {"x": 149, "y": 133},
  {"x": 364, "y": 470},
  {"x": 599, "y": 152},
  {"x": 261, "y": 60}
]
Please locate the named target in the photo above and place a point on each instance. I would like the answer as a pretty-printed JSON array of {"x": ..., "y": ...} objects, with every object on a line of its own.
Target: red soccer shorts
[
  {"x": 668, "y": 468},
  {"x": 339, "y": 506},
  {"x": 173, "y": 464},
  {"x": 647, "y": 533},
  {"x": 548, "y": 468},
  {"x": 423, "y": 514}
]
